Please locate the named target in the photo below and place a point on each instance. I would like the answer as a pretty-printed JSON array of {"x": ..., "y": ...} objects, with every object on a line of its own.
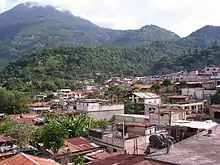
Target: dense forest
[
  {"x": 189, "y": 60},
  {"x": 60, "y": 67},
  {"x": 51, "y": 68}
]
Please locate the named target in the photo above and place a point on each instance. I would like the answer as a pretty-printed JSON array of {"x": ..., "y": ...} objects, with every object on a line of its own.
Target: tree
[
  {"x": 215, "y": 99},
  {"x": 54, "y": 135},
  {"x": 5, "y": 124},
  {"x": 25, "y": 134},
  {"x": 12, "y": 101},
  {"x": 156, "y": 87},
  {"x": 167, "y": 82},
  {"x": 79, "y": 160},
  {"x": 115, "y": 94},
  {"x": 79, "y": 125}
]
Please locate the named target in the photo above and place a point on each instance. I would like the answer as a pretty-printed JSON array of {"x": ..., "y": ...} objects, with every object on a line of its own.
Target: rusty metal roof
[
  {"x": 24, "y": 159},
  {"x": 125, "y": 159},
  {"x": 77, "y": 145},
  {"x": 4, "y": 139}
]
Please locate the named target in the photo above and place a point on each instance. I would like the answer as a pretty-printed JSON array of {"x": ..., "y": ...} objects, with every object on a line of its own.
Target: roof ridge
[{"x": 29, "y": 158}]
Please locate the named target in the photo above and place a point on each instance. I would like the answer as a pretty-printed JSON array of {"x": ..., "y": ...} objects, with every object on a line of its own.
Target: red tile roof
[
  {"x": 38, "y": 104},
  {"x": 215, "y": 106},
  {"x": 125, "y": 159},
  {"x": 24, "y": 118},
  {"x": 24, "y": 159},
  {"x": 144, "y": 86},
  {"x": 4, "y": 139}
]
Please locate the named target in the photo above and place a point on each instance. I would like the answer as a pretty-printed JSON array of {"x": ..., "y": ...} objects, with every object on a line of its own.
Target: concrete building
[
  {"x": 127, "y": 134},
  {"x": 177, "y": 99},
  {"x": 190, "y": 75},
  {"x": 99, "y": 109},
  {"x": 214, "y": 113},
  {"x": 145, "y": 98},
  {"x": 165, "y": 116},
  {"x": 197, "y": 93},
  {"x": 39, "y": 107},
  {"x": 191, "y": 107}
]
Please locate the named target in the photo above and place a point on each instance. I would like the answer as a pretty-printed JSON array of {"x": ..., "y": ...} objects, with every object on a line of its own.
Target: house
[
  {"x": 214, "y": 112},
  {"x": 200, "y": 149},
  {"x": 99, "y": 109},
  {"x": 190, "y": 106},
  {"x": 72, "y": 147},
  {"x": 126, "y": 134},
  {"x": 177, "y": 99},
  {"x": 162, "y": 117},
  {"x": 145, "y": 98},
  {"x": 38, "y": 107},
  {"x": 197, "y": 93},
  {"x": 189, "y": 76},
  {"x": 28, "y": 118},
  {"x": 25, "y": 159}
]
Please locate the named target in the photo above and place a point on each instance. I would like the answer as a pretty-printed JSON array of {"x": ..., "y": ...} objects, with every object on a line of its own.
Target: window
[{"x": 114, "y": 150}]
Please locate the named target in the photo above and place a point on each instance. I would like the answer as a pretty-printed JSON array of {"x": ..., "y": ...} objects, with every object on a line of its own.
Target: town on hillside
[{"x": 170, "y": 119}]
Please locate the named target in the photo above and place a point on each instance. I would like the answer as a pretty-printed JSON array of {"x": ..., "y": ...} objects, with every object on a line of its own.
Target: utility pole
[
  {"x": 158, "y": 116},
  {"x": 168, "y": 133}
]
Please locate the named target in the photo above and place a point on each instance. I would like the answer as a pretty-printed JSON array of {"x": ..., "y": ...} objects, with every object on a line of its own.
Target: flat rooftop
[
  {"x": 200, "y": 149},
  {"x": 195, "y": 124},
  {"x": 133, "y": 115}
]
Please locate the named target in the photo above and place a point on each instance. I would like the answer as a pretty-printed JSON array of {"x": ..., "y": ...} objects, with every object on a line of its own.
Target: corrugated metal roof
[
  {"x": 4, "y": 139},
  {"x": 125, "y": 159},
  {"x": 77, "y": 145},
  {"x": 24, "y": 159},
  {"x": 146, "y": 95},
  {"x": 100, "y": 155}
]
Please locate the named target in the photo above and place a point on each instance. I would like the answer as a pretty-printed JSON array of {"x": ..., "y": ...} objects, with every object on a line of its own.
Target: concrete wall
[
  {"x": 212, "y": 111},
  {"x": 132, "y": 118},
  {"x": 163, "y": 118},
  {"x": 142, "y": 143},
  {"x": 141, "y": 130},
  {"x": 153, "y": 101},
  {"x": 83, "y": 106},
  {"x": 198, "y": 93},
  {"x": 107, "y": 115}
]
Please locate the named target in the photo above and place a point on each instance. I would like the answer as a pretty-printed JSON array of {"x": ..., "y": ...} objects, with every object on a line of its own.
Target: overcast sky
[{"x": 179, "y": 16}]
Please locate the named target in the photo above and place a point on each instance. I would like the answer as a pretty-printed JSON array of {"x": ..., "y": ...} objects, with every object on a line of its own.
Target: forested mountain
[
  {"x": 31, "y": 27},
  {"x": 189, "y": 60},
  {"x": 203, "y": 37},
  {"x": 59, "y": 67},
  {"x": 146, "y": 35}
]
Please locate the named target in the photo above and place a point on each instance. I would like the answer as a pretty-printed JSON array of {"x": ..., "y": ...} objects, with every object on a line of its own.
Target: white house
[
  {"x": 145, "y": 98},
  {"x": 99, "y": 109}
]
